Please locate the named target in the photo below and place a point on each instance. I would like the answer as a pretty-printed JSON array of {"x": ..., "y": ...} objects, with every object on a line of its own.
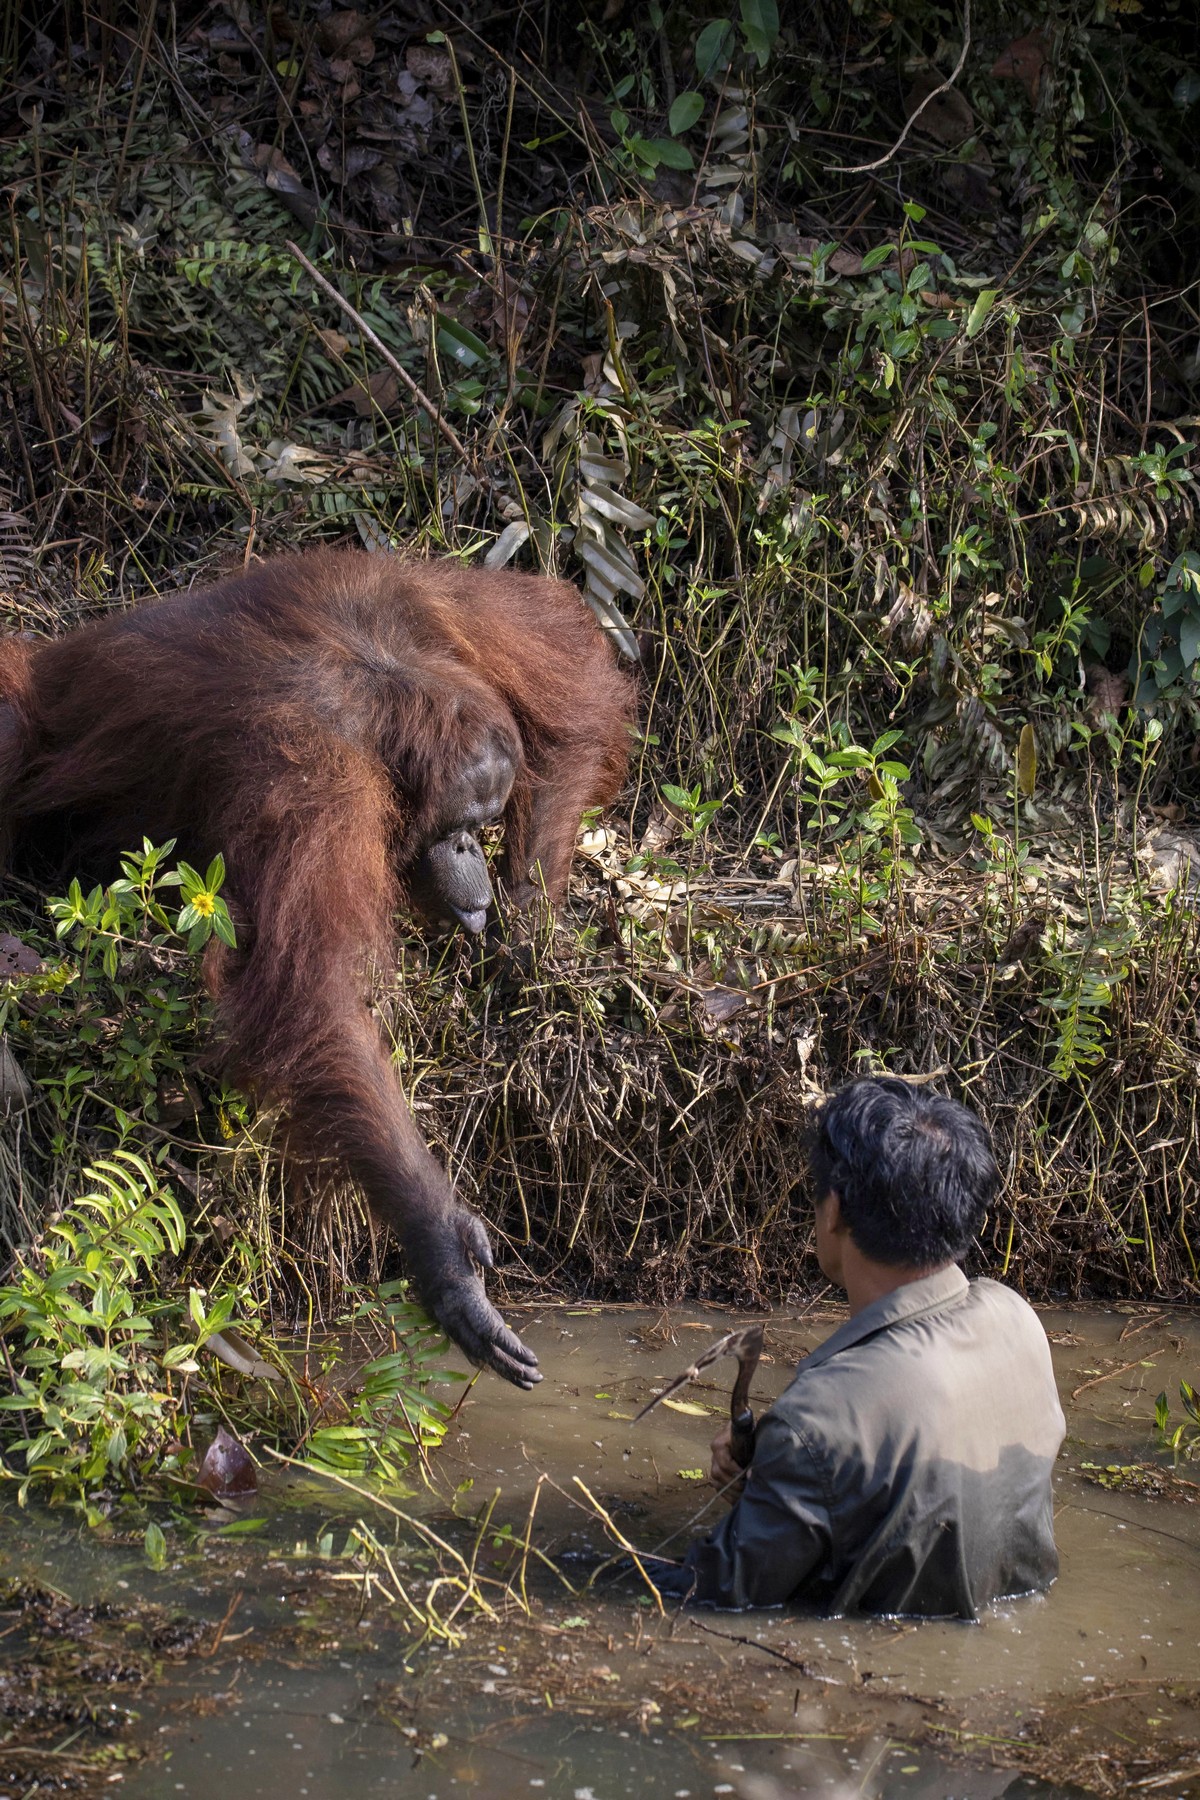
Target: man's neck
[{"x": 867, "y": 1281}]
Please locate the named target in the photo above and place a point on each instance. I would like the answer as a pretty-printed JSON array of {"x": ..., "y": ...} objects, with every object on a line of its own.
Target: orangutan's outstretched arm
[{"x": 297, "y": 1028}]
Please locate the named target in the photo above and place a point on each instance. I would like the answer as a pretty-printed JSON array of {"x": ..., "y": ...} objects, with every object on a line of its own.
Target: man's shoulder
[
  {"x": 1005, "y": 1302},
  {"x": 922, "y": 1381},
  {"x": 879, "y": 1369}
]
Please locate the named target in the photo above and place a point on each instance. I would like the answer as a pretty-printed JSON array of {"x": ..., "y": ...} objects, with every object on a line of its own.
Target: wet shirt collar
[{"x": 912, "y": 1300}]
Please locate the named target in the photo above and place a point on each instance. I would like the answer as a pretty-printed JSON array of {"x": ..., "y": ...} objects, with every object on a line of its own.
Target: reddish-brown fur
[{"x": 303, "y": 719}]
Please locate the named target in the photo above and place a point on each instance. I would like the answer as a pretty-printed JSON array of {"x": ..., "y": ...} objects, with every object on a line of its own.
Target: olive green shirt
[{"x": 906, "y": 1469}]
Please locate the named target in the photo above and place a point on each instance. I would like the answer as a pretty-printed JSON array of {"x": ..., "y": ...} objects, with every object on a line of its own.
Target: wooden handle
[{"x": 741, "y": 1440}]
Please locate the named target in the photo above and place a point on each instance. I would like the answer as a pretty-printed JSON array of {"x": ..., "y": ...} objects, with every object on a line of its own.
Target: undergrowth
[
  {"x": 862, "y": 409},
  {"x": 134, "y": 1322}
]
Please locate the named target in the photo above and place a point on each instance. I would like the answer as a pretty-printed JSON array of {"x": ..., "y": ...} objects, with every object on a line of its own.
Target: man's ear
[{"x": 834, "y": 1221}]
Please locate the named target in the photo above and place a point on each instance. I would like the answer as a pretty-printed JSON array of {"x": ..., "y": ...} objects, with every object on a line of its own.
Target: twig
[
  {"x": 629, "y": 1549},
  {"x": 143, "y": 53},
  {"x": 1149, "y": 374},
  {"x": 398, "y": 370},
  {"x": 866, "y": 168},
  {"x": 1124, "y": 1369},
  {"x": 1132, "y": 1330},
  {"x": 223, "y": 1627},
  {"x": 485, "y": 230},
  {"x": 805, "y": 1669},
  {"x": 351, "y": 1487}
]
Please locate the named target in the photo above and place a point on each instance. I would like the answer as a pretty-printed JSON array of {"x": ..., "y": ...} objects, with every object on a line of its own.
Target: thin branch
[
  {"x": 398, "y": 370},
  {"x": 866, "y": 168},
  {"x": 804, "y": 1668},
  {"x": 1111, "y": 1374}
]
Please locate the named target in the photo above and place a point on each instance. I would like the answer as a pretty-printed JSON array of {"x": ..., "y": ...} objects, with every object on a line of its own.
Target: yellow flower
[{"x": 204, "y": 904}]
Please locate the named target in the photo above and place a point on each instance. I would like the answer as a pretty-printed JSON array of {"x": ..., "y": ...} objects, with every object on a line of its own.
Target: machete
[{"x": 746, "y": 1344}]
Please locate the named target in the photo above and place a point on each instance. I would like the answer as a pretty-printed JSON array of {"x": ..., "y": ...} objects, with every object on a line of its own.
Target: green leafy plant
[
  {"x": 1182, "y": 1438},
  {"x": 391, "y": 1414},
  {"x": 854, "y": 806},
  {"x": 1090, "y": 976},
  {"x": 101, "y": 1333},
  {"x": 101, "y": 1321},
  {"x": 696, "y": 814},
  {"x": 121, "y": 914},
  {"x": 96, "y": 1387},
  {"x": 759, "y": 24},
  {"x": 646, "y": 155},
  {"x": 121, "y": 1010},
  {"x": 1166, "y": 665}
]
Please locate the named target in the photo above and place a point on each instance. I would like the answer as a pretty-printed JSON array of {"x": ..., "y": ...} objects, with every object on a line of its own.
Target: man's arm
[{"x": 778, "y": 1535}]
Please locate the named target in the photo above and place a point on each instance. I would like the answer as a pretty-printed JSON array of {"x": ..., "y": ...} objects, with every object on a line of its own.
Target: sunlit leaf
[{"x": 977, "y": 317}]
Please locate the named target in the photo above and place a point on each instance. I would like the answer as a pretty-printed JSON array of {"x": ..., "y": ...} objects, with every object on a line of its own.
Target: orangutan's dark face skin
[{"x": 450, "y": 880}]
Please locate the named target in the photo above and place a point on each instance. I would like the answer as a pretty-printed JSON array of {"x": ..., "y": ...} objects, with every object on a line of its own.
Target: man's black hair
[{"x": 914, "y": 1171}]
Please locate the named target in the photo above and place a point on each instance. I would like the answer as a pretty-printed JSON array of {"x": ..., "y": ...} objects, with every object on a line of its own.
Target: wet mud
[{"x": 272, "y": 1655}]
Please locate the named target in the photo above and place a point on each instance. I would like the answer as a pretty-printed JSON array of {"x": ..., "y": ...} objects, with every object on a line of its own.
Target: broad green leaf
[
  {"x": 223, "y": 926},
  {"x": 685, "y": 110},
  {"x": 760, "y": 26},
  {"x": 712, "y": 45},
  {"x": 455, "y": 340},
  {"x": 650, "y": 152}
]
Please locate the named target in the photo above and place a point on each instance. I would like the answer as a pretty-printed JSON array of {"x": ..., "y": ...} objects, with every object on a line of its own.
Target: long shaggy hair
[{"x": 308, "y": 719}]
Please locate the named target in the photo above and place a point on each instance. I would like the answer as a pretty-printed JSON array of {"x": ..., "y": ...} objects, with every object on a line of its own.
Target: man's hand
[{"x": 724, "y": 1466}]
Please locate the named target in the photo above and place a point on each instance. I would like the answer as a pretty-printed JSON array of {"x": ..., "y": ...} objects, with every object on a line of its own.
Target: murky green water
[{"x": 312, "y": 1688}]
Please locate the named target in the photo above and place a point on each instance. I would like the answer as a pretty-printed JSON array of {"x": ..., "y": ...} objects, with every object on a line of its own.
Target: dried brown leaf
[
  {"x": 17, "y": 958},
  {"x": 948, "y": 117},
  {"x": 431, "y": 65},
  {"x": 1023, "y": 60},
  {"x": 339, "y": 29}
]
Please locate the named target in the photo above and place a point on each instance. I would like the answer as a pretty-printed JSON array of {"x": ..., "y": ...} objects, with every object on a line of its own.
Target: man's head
[{"x": 913, "y": 1172}]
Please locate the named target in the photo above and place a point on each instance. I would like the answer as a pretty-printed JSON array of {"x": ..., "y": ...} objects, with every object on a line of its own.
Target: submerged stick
[{"x": 1124, "y": 1369}]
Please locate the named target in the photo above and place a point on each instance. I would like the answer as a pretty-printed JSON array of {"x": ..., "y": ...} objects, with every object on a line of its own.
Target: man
[{"x": 906, "y": 1469}]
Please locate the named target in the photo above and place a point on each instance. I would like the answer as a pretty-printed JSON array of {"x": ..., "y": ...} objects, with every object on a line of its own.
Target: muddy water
[{"x": 307, "y": 1683}]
